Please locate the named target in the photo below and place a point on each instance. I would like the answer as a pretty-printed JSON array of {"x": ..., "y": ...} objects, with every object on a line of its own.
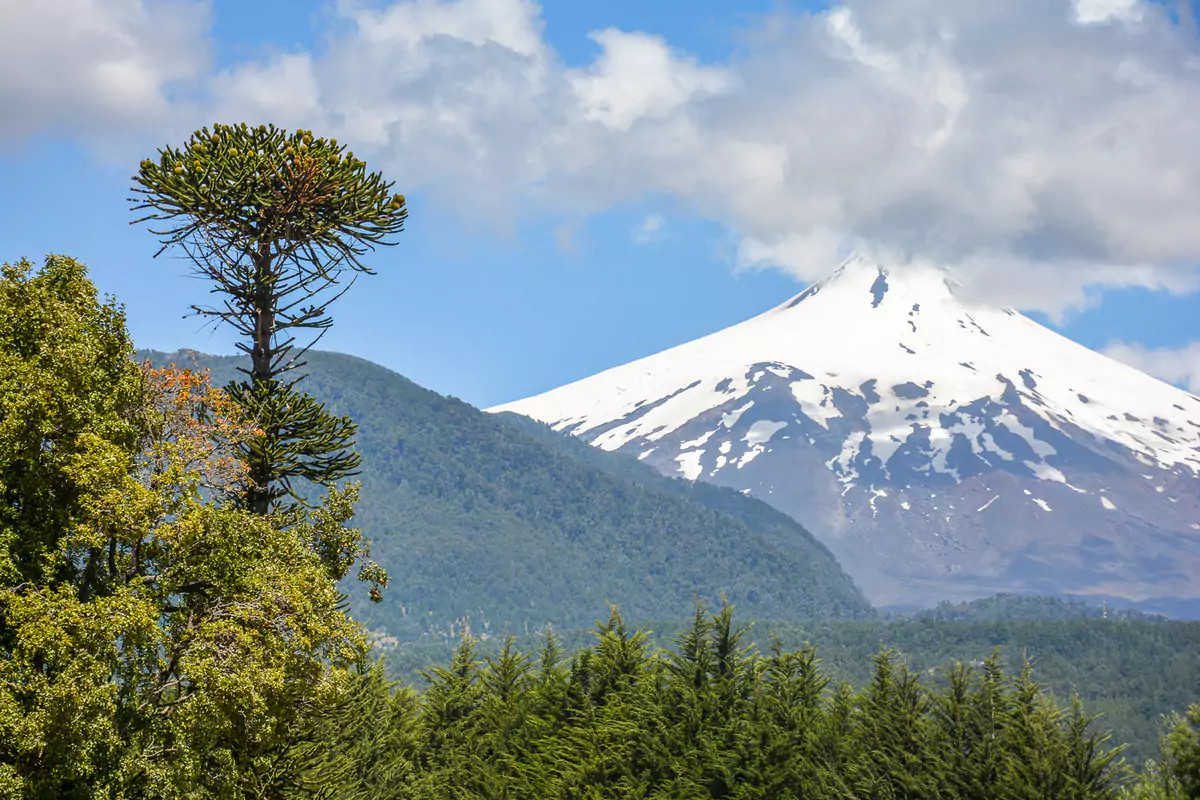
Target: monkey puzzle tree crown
[{"x": 305, "y": 194}]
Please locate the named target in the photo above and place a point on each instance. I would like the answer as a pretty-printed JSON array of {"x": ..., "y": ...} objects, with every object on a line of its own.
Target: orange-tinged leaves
[{"x": 193, "y": 429}]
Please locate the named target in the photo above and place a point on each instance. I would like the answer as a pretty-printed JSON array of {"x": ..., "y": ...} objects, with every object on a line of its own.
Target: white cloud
[
  {"x": 1039, "y": 147},
  {"x": 283, "y": 91},
  {"x": 649, "y": 230},
  {"x": 95, "y": 68},
  {"x": 450, "y": 95},
  {"x": 1178, "y": 365},
  {"x": 1100, "y": 11},
  {"x": 637, "y": 76}
]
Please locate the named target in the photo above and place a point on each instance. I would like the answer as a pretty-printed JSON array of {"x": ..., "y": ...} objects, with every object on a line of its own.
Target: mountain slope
[
  {"x": 776, "y": 527},
  {"x": 475, "y": 517},
  {"x": 941, "y": 450}
]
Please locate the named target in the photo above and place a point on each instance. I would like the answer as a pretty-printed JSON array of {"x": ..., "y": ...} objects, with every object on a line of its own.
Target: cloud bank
[
  {"x": 1036, "y": 147},
  {"x": 96, "y": 69},
  {"x": 1178, "y": 365}
]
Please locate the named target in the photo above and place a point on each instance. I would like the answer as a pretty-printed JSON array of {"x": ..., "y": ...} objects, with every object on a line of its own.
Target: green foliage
[
  {"x": 1131, "y": 672},
  {"x": 1182, "y": 746},
  {"x": 715, "y": 718},
  {"x": 273, "y": 220},
  {"x": 154, "y": 641},
  {"x": 309, "y": 197},
  {"x": 1177, "y": 775},
  {"x": 300, "y": 440},
  {"x": 481, "y": 524},
  {"x": 66, "y": 383}
]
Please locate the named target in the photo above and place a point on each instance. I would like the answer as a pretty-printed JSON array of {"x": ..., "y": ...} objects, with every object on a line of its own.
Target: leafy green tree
[
  {"x": 156, "y": 642},
  {"x": 278, "y": 222},
  {"x": 66, "y": 383}
]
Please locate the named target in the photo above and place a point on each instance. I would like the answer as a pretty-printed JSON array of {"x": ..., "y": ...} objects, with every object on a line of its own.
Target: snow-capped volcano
[{"x": 940, "y": 449}]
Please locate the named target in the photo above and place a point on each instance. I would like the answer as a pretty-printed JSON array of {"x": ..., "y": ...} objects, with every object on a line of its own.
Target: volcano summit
[{"x": 940, "y": 449}]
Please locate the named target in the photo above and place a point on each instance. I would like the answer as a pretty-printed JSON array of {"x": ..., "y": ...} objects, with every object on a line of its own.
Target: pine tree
[
  {"x": 894, "y": 734},
  {"x": 1087, "y": 764}
]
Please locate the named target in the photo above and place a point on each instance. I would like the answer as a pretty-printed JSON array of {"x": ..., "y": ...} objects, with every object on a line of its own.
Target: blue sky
[{"x": 514, "y": 280}]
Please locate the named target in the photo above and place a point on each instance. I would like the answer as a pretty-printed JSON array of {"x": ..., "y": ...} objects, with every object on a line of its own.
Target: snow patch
[
  {"x": 697, "y": 442},
  {"x": 1014, "y": 425},
  {"x": 689, "y": 464},
  {"x": 1045, "y": 472},
  {"x": 989, "y": 444},
  {"x": 1104, "y": 501},
  {"x": 748, "y": 456},
  {"x": 730, "y": 419},
  {"x": 1045, "y": 506},
  {"x": 815, "y": 401},
  {"x": 762, "y": 431},
  {"x": 875, "y": 495},
  {"x": 843, "y": 463},
  {"x": 984, "y": 507}
]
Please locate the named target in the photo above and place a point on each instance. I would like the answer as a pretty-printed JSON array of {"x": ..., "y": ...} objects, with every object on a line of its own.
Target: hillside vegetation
[{"x": 492, "y": 524}]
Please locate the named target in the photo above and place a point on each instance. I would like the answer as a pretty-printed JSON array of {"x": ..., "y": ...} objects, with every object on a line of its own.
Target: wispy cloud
[
  {"x": 650, "y": 229},
  {"x": 1036, "y": 147},
  {"x": 1178, "y": 365}
]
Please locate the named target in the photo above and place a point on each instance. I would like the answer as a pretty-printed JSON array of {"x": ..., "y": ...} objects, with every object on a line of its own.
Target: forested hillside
[
  {"x": 444, "y": 483},
  {"x": 487, "y": 523},
  {"x": 1003, "y": 607}
]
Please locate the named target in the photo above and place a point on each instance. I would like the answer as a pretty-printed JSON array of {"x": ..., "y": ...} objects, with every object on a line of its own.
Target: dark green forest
[
  {"x": 1133, "y": 673},
  {"x": 715, "y": 716}
]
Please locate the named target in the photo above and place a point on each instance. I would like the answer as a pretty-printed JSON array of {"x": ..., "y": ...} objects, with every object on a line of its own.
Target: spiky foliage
[
  {"x": 1182, "y": 747},
  {"x": 714, "y": 718},
  {"x": 278, "y": 222}
]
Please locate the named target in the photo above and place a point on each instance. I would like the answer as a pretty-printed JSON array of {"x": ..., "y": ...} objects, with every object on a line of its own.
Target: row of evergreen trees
[{"x": 713, "y": 718}]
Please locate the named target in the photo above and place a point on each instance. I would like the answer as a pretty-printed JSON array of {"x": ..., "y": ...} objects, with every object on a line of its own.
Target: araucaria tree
[{"x": 278, "y": 222}]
